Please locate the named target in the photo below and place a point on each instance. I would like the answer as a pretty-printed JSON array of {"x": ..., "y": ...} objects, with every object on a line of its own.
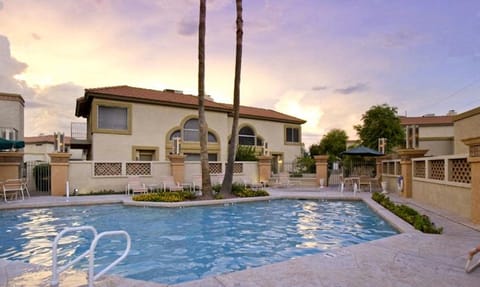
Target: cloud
[
  {"x": 359, "y": 87},
  {"x": 47, "y": 109},
  {"x": 319, "y": 88},
  {"x": 187, "y": 27},
  {"x": 1, "y": 5},
  {"x": 36, "y": 36}
]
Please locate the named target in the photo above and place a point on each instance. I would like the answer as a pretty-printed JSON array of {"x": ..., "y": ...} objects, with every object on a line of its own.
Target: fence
[
  {"x": 443, "y": 181},
  {"x": 96, "y": 176},
  {"x": 38, "y": 176}
]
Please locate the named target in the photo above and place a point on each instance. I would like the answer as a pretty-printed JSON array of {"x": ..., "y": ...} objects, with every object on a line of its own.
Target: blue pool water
[{"x": 183, "y": 244}]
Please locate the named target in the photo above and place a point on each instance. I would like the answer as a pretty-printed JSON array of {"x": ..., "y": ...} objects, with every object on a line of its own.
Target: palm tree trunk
[
  {"x": 203, "y": 127},
  {"x": 227, "y": 180}
]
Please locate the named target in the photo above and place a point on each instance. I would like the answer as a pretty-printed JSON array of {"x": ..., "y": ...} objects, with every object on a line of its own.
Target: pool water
[{"x": 182, "y": 244}]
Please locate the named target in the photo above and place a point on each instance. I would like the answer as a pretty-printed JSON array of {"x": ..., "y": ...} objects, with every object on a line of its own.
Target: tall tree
[
  {"x": 228, "y": 178},
  {"x": 381, "y": 121},
  {"x": 332, "y": 144},
  {"x": 203, "y": 127}
]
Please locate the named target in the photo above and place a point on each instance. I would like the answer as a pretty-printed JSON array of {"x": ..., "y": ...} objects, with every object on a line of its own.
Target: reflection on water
[{"x": 176, "y": 245}]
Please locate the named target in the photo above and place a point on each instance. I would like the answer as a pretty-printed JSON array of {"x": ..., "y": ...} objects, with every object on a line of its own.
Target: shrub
[
  {"x": 247, "y": 192},
  {"x": 246, "y": 153},
  {"x": 164, "y": 196},
  {"x": 419, "y": 221}
]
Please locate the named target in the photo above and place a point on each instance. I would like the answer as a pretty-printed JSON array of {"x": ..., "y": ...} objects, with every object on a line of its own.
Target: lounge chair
[
  {"x": 170, "y": 184},
  {"x": 134, "y": 185}
]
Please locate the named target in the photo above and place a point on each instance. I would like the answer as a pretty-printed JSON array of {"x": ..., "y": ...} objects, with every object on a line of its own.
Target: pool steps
[{"x": 56, "y": 270}]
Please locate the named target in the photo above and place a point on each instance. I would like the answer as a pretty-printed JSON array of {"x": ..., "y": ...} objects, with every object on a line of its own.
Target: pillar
[
  {"x": 59, "y": 172},
  {"x": 264, "y": 168},
  {"x": 321, "y": 164},
  {"x": 10, "y": 165},
  {"x": 177, "y": 167},
  {"x": 474, "y": 160},
  {"x": 406, "y": 156}
]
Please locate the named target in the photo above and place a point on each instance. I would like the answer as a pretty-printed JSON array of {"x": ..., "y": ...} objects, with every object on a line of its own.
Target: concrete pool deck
[{"x": 408, "y": 259}]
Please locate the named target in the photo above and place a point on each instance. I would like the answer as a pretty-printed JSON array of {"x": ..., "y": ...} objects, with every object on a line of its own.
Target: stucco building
[
  {"x": 430, "y": 132},
  {"x": 11, "y": 116},
  {"x": 129, "y": 123}
]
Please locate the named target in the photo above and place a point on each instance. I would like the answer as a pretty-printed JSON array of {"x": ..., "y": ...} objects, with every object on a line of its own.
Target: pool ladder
[{"x": 56, "y": 270}]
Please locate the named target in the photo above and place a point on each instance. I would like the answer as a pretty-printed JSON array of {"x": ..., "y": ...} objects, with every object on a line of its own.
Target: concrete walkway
[{"x": 408, "y": 259}]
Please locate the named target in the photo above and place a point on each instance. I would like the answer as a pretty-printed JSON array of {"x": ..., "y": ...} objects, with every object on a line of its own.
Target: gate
[{"x": 38, "y": 177}]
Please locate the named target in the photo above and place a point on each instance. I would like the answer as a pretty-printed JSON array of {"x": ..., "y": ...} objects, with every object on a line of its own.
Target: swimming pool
[{"x": 182, "y": 244}]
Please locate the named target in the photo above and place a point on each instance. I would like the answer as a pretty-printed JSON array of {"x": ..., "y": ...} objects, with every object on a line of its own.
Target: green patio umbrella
[{"x": 8, "y": 144}]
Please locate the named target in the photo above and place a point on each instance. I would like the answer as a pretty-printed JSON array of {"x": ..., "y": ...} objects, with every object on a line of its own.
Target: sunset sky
[{"x": 323, "y": 61}]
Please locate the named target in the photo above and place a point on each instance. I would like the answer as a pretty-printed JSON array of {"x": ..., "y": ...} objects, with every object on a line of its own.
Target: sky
[{"x": 326, "y": 62}]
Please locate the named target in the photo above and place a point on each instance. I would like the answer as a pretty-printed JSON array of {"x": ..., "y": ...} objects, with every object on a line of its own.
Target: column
[
  {"x": 321, "y": 164},
  {"x": 474, "y": 160},
  {"x": 406, "y": 156},
  {"x": 58, "y": 173},
  {"x": 264, "y": 168},
  {"x": 10, "y": 165},
  {"x": 177, "y": 167}
]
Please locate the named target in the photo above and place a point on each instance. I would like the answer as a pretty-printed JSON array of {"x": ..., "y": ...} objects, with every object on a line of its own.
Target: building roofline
[{"x": 174, "y": 98}]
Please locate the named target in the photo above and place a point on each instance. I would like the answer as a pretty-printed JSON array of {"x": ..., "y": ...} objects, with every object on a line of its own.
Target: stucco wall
[
  {"x": 467, "y": 125},
  {"x": 150, "y": 125},
  {"x": 454, "y": 198},
  {"x": 274, "y": 134},
  {"x": 80, "y": 175}
]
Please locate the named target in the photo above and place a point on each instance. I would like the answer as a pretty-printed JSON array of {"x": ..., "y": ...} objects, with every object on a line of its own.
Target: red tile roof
[
  {"x": 175, "y": 98},
  {"x": 427, "y": 120}
]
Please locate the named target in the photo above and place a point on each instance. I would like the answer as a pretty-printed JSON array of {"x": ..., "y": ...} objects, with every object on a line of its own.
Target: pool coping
[{"x": 407, "y": 233}]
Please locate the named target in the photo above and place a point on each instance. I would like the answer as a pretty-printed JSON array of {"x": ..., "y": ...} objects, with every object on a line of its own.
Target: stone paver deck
[{"x": 408, "y": 259}]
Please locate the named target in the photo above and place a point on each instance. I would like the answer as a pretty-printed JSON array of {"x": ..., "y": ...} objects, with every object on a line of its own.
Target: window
[
  {"x": 112, "y": 118},
  {"x": 175, "y": 134},
  {"x": 9, "y": 134},
  {"x": 145, "y": 153},
  {"x": 212, "y": 138},
  {"x": 196, "y": 157},
  {"x": 191, "y": 131},
  {"x": 292, "y": 135},
  {"x": 246, "y": 136},
  {"x": 412, "y": 140}
]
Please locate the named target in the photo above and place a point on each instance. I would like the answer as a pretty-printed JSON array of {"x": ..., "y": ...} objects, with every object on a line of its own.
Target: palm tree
[
  {"x": 227, "y": 180},
  {"x": 203, "y": 127}
]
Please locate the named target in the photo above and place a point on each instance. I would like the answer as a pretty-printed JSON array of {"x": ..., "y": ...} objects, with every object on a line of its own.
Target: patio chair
[
  {"x": 134, "y": 185},
  {"x": 365, "y": 181},
  {"x": 12, "y": 187},
  {"x": 170, "y": 184}
]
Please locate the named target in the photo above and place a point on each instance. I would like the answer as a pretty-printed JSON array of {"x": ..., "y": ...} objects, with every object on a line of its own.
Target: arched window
[
  {"x": 212, "y": 138},
  {"x": 191, "y": 131},
  {"x": 175, "y": 134},
  {"x": 246, "y": 136}
]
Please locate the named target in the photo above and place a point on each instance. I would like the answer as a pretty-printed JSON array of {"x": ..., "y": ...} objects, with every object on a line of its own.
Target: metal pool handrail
[
  {"x": 57, "y": 270},
  {"x": 91, "y": 260},
  {"x": 91, "y": 251}
]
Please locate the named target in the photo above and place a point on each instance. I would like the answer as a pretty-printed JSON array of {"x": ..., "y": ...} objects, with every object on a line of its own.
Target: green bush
[
  {"x": 246, "y": 153},
  {"x": 165, "y": 196},
  {"x": 247, "y": 192},
  {"x": 419, "y": 221}
]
